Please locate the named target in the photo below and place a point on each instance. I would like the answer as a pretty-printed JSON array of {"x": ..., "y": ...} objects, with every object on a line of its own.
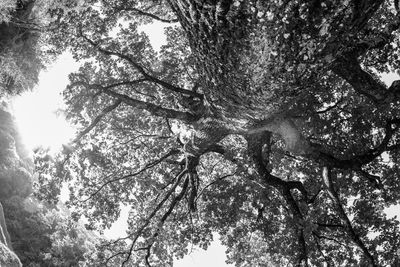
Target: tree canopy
[
  {"x": 46, "y": 235},
  {"x": 266, "y": 122}
]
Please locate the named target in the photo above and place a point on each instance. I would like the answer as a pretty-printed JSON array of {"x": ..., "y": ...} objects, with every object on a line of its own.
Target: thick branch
[
  {"x": 327, "y": 180},
  {"x": 150, "y": 107},
  {"x": 363, "y": 11},
  {"x": 191, "y": 164},
  {"x": 357, "y": 161},
  {"x": 255, "y": 144},
  {"x": 141, "y": 70},
  {"x": 146, "y": 167},
  {"x": 171, "y": 207},
  {"x": 139, "y": 232},
  {"x": 348, "y": 68},
  {"x": 150, "y": 15},
  {"x": 96, "y": 120}
]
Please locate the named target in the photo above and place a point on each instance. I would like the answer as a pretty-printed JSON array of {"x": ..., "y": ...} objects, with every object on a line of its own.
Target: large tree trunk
[{"x": 218, "y": 34}]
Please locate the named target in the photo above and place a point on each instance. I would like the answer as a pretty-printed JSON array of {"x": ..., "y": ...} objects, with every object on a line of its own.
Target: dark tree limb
[
  {"x": 148, "y": 14},
  {"x": 347, "y": 67},
  {"x": 356, "y": 162},
  {"x": 153, "y": 109},
  {"x": 363, "y": 10},
  {"x": 255, "y": 144},
  {"x": 191, "y": 164},
  {"x": 96, "y": 120},
  {"x": 327, "y": 181},
  {"x": 215, "y": 182},
  {"x": 171, "y": 207},
  {"x": 146, "y": 167},
  {"x": 135, "y": 236},
  {"x": 141, "y": 70},
  {"x": 319, "y": 236}
]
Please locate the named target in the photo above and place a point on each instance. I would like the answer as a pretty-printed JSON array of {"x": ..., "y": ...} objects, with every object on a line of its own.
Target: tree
[
  {"x": 20, "y": 58},
  {"x": 15, "y": 165},
  {"x": 46, "y": 235},
  {"x": 264, "y": 121},
  {"x": 23, "y": 50}
]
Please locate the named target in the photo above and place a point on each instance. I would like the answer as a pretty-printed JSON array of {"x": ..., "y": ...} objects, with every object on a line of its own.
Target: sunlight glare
[
  {"x": 36, "y": 111},
  {"x": 155, "y": 32},
  {"x": 213, "y": 256}
]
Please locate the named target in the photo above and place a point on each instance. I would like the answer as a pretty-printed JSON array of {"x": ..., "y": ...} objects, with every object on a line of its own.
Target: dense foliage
[
  {"x": 266, "y": 122},
  {"x": 46, "y": 235},
  {"x": 15, "y": 165},
  {"x": 41, "y": 235},
  {"x": 20, "y": 59},
  {"x": 23, "y": 43}
]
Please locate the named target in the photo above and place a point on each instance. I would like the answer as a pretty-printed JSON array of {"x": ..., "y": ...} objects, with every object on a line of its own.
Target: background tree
[
  {"x": 20, "y": 58},
  {"x": 40, "y": 234},
  {"x": 46, "y": 235},
  {"x": 15, "y": 165},
  {"x": 266, "y": 122},
  {"x": 24, "y": 27}
]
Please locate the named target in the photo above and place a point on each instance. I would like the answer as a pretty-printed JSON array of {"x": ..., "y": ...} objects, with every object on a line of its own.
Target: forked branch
[
  {"x": 328, "y": 183},
  {"x": 153, "y": 109},
  {"x": 96, "y": 120},
  {"x": 146, "y": 167},
  {"x": 148, "y": 14},
  {"x": 141, "y": 70},
  {"x": 135, "y": 235}
]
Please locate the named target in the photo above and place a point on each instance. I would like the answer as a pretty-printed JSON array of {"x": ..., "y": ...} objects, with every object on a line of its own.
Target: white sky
[
  {"x": 214, "y": 256},
  {"x": 35, "y": 111}
]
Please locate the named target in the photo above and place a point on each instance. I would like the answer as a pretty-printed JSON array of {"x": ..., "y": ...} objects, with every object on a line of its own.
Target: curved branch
[
  {"x": 363, "y": 11},
  {"x": 147, "y": 221},
  {"x": 146, "y": 167},
  {"x": 141, "y": 70},
  {"x": 159, "y": 206},
  {"x": 368, "y": 156},
  {"x": 96, "y": 120},
  {"x": 329, "y": 225},
  {"x": 327, "y": 181},
  {"x": 330, "y": 238},
  {"x": 255, "y": 144},
  {"x": 347, "y": 67},
  {"x": 214, "y": 182},
  {"x": 150, "y": 15},
  {"x": 150, "y": 107}
]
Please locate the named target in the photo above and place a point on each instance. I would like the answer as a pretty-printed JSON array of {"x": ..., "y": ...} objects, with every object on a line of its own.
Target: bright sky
[
  {"x": 36, "y": 111},
  {"x": 214, "y": 256}
]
